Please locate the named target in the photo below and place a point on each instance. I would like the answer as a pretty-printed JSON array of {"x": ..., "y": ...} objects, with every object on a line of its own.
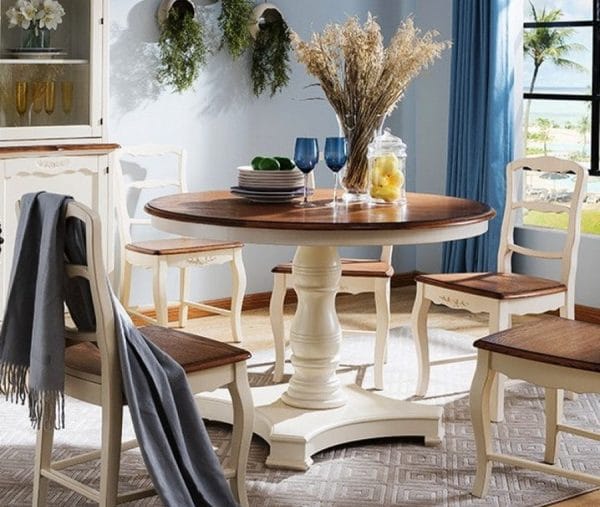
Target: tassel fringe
[
  {"x": 13, "y": 382},
  {"x": 46, "y": 408}
]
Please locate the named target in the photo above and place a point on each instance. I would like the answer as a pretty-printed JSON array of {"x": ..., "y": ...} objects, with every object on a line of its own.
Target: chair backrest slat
[
  {"x": 544, "y": 207},
  {"x": 568, "y": 254},
  {"x": 542, "y": 254},
  {"x": 176, "y": 180},
  {"x": 94, "y": 272}
]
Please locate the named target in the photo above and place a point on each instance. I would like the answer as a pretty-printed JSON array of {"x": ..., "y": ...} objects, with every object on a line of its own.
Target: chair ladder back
[
  {"x": 178, "y": 181},
  {"x": 568, "y": 254},
  {"x": 95, "y": 274},
  {"x": 386, "y": 254}
]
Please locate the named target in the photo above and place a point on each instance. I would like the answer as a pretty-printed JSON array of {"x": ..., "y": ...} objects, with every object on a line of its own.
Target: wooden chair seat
[
  {"x": 352, "y": 267},
  {"x": 193, "y": 352},
  {"x": 161, "y": 255},
  {"x": 176, "y": 246},
  {"x": 502, "y": 293},
  {"x": 495, "y": 285},
  {"x": 93, "y": 375},
  {"x": 550, "y": 340},
  {"x": 554, "y": 353}
]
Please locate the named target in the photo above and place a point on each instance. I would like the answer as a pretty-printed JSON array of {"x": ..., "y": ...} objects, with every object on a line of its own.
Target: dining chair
[
  {"x": 504, "y": 293},
  {"x": 161, "y": 254},
  {"x": 358, "y": 276},
  {"x": 93, "y": 375},
  {"x": 552, "y": 352}
]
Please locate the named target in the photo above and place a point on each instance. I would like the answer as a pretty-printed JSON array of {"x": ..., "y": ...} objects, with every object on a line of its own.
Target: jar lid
[{"x": 387, "y": 142}]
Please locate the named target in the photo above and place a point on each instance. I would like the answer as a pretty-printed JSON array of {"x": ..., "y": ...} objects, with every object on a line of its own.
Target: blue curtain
[{"x": 480, "y": 135}]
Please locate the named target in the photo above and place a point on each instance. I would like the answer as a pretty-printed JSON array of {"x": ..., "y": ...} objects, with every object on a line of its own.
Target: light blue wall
[
  {"x": 426, "y": 121},
  {"x": 220, "y": 122}
]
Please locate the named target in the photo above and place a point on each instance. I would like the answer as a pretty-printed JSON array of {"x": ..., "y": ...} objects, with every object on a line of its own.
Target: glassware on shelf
[
  {"x": 306, "y": 156},
  {"x": 38, "y": 96},
  {"x": 336, "y": 155},
  {"x": 50, "y": 95},
  {"x": 66, "y": 89},
  {"x": 21, "y": 97}
]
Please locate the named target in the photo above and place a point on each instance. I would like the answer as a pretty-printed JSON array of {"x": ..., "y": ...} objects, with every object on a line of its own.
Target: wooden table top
[{"x": 221, "y": 208}]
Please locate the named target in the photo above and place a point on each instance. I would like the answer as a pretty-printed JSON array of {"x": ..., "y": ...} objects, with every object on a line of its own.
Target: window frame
[{"x": 594, "y": 97}]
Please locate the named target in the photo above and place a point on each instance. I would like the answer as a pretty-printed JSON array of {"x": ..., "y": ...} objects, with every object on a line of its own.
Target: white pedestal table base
[{"x": 295, "y": 434}]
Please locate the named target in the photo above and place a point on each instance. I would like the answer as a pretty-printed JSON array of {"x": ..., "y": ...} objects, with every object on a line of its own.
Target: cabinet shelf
[{"x": 41, "y": 61}]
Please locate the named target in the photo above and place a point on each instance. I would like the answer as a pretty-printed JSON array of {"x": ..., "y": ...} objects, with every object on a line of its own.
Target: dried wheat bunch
[{"x": 362, "y": 79}]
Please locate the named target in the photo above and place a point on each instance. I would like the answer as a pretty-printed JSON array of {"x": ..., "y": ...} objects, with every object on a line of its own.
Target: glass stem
[
  {"x": 335, "y": 185},
  {"x": 305, "y": 189}
]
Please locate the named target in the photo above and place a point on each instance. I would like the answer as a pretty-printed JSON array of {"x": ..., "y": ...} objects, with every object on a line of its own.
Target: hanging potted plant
[
  {"x": 272, "y": 45},
  {"x": 181, "y": 44},
  {"x": 234, "y": 24}
]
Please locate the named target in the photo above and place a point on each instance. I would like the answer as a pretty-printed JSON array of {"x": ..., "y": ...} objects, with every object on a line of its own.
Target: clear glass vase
[
  {"x": 359, "y": 130},
  {"x": 36, "y": 38}
]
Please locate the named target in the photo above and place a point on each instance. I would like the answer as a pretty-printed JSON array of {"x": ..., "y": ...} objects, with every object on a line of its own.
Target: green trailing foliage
[
  {"x": 271, "y": 57},
  {"x": 234, "y": 19},
  {"x": 182, "y": 50}
]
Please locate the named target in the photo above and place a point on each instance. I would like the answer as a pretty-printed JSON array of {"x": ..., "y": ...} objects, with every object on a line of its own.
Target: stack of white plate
[{"x": 269, "y": 186}]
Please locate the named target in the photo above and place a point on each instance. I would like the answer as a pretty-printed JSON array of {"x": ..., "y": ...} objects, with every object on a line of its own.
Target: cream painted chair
[
  {"x": 358, "y": 276},
  {"x": 554, "y": 353},
  {"x": 93, "y": 374},
  {"x": 182, "y": 253},
  {"x": 504, "y": 293}
]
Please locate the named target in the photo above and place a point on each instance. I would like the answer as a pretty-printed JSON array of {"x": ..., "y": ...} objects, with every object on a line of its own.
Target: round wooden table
[{"x": 316, "y": 410}]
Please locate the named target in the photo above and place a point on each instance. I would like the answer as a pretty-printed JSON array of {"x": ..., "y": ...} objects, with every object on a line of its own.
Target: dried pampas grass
[{"x": 363, "y": 80}]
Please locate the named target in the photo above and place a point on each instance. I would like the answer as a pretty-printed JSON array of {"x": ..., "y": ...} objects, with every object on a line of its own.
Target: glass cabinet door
[{"x": 50, "y": 71}]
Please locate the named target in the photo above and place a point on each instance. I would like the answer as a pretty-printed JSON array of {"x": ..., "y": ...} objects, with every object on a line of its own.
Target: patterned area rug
[{"x": 377, "y": 472}]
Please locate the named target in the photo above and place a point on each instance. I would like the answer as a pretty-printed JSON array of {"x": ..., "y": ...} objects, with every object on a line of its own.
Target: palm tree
[{"x": 548, "y": 44}]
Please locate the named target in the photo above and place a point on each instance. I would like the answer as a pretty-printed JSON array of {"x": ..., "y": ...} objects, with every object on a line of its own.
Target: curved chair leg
[
  {"x": 183, "y": 294},
  {"x": 125, "y": 289},
  {"x": 500, "y": 320},
  {"x": 110, "y": 452},
  {"x": 243, "y": 422},
  {"x": 159, "y": 281},
  {"x": 419, "y": 331},
  {"x": 238, "y": 276},
  {"x": 568, "y": 312},
  {"x": 382, "y": 310},
  {"x": 277, "y": 328},
  {"x": 554, "y": 411},
  {"x": 479, "y": 400},
  {"x": 43, "y": 456}
]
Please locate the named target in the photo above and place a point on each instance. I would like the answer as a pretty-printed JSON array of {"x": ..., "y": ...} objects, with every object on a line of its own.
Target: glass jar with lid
[{"x": 387, "y": 166}]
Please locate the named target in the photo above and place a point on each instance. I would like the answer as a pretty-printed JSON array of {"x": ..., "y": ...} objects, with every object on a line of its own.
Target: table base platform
[{"x": 295, "y": 434}]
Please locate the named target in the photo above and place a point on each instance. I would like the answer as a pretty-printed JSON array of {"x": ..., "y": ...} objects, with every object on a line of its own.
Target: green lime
[
  {"x": 268, "y": 164},
  {"x": 285, "y": 164},
  {"x": 256, "y": 163}
]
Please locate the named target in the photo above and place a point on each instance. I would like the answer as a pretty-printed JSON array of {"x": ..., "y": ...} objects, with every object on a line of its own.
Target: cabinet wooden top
[
  {"x": 422, "y": 211},
  {"x": 57, "y": 149}
]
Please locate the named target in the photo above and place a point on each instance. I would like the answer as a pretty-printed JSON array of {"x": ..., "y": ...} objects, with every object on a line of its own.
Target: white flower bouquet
[{"x": 37, "y": 17}]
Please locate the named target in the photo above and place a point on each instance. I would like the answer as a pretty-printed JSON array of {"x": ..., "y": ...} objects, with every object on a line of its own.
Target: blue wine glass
[
  {"x": 306, "y": 156},
  {"x": 336, "y": 155}
]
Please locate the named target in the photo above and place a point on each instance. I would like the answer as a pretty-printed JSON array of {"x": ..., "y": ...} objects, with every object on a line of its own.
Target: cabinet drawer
[{"x": 50, "y": 166}]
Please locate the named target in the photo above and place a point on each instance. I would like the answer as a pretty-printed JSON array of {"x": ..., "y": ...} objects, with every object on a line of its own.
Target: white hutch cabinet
[{"x": 53, "y": 105}]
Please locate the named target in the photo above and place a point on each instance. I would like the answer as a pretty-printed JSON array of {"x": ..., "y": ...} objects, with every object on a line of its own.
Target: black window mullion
[
  {"x": 594, "y": 98},
  {"x": 595, "y": 113}
]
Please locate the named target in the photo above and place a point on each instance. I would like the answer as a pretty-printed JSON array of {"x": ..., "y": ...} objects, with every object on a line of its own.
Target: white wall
[{"x": 220, "y": 122}]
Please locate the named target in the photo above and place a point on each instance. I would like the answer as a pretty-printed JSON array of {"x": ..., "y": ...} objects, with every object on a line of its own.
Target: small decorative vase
[
  {"x": 359, "y": 130},
  {"x": 36, "y": 37}
]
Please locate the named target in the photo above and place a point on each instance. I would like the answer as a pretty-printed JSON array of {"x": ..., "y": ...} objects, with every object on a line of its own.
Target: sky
[{"x": 548, "y": 75}]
